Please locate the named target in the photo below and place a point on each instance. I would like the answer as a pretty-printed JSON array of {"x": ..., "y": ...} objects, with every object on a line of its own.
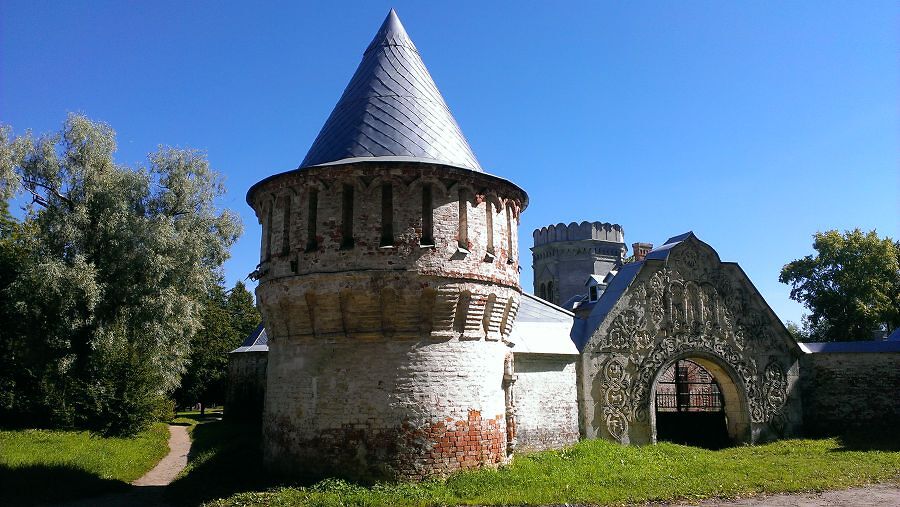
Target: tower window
[
  {"x": 544, "y": 292},
  {"x": 387, "y": 215},
  {"x": 269, "y": 213},
  {"x": 509, "y": 236},
  {"x": 489, "y": 221},
  {"x": 463, "y": 236},
  {"x": 286, "y": 225},
  {"x": 427, "y": 218},
  {"x": 312, "y": 217},
  {"x": 347, "y": 222},
  {"x": 550, "y": 295}
]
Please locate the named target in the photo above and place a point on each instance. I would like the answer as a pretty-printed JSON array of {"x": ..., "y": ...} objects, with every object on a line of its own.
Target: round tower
[{"x": 388, "y": 284}]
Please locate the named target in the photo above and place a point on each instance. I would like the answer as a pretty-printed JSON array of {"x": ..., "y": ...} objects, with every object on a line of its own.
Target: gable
[{"x": 684, "y": 289}]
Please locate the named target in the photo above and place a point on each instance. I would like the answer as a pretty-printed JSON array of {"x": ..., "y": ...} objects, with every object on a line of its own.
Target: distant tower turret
[
  {"x": 564, "y": 256},
  {"x": 388, "y": 286},
  {"x": 640, "y": 250}
]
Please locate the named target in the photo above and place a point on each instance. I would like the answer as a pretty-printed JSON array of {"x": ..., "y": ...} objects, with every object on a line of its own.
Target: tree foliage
[
  {"x": 851, "y": 286},
  {"x": 228, "y": 318},
  {"x": 102, "y": 282}
]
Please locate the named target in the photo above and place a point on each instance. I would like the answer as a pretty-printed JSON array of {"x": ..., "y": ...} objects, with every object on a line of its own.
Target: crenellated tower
[
  {"x": 388, "y": 284},
  {"x": 563, "y": 256}
]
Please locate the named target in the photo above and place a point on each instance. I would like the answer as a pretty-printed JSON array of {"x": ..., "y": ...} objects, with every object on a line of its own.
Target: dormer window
[{"x": 593, "y": 294}]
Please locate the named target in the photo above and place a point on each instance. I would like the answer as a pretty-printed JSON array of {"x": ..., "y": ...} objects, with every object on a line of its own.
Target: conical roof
[{"x": 391, "y": 110}]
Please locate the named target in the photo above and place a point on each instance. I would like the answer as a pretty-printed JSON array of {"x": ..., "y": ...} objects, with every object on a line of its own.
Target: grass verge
[
  {"x": 600, "y": 472},
  {"x": 41, "y": 466}
]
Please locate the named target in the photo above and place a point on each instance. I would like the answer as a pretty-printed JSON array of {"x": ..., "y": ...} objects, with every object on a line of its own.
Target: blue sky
[{"x": 754, "y": 124}]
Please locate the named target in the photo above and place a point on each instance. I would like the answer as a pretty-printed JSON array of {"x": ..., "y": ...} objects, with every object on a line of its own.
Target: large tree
[
  {"x": 851, "y": 286},
  {"x": 112, "y": 266}
]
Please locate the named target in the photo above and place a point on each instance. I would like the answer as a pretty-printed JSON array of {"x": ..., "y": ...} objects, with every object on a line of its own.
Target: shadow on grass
[
  {"x": 41, "y": 484},
  {"x": 876, "y": 440},
  {"x": 225, "y": 459}
]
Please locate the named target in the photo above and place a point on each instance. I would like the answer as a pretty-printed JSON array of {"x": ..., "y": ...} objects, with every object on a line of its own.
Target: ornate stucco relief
[{"x": 692, "y": 305}]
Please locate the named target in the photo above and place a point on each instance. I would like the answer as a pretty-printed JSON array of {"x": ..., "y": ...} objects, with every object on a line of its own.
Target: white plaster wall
[{"x": 546, "y": 401}]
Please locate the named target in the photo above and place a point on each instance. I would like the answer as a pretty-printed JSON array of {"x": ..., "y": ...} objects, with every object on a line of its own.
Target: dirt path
[
  {"x": 875, "y": 495},
  {"x": 148, "y": 490},
  {"x": 169, "y": 467}
]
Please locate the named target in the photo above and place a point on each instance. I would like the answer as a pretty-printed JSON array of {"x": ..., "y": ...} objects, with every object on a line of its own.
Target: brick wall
[
  {"x": 444, "y": 258},
  {"x": 379, "y": 408},
  {"x": 386, "y": 360},
  {"x": 545, "y": 400},
  {"x": 845, "y": 391}
]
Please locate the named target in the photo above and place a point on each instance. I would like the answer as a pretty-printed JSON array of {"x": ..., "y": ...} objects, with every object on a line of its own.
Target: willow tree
[{"x": 112, "y": 265}]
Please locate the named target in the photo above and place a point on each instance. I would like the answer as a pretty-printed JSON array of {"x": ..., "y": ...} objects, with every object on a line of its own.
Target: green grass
[
  {"x": 600, "y": 472},
  {"x": 44, "y": 465},
  {"x": 225, "y": 459}
]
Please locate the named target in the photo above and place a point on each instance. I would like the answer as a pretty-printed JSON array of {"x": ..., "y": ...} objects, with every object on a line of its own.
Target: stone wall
[
  {"x": 563, "y": 256},
  {"x": 847, "y": 391},
  {"x": 386, "y": 345},
  {"x": 246, "y": 385},
  {"x": 546, "y": 401}
]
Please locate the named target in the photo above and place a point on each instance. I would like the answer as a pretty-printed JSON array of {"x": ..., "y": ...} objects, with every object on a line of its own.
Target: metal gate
[{"x": 688, "y": 387}]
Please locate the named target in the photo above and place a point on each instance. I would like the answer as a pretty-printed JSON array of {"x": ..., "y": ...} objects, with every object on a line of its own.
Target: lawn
[
  {"x": 600, "y": 472},
  {"x": 225, "y": 459},
  {"x": 38, "y": 466}
]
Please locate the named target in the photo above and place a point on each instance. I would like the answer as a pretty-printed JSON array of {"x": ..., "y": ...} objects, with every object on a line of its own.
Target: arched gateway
[{"x": 683, "y": 303}]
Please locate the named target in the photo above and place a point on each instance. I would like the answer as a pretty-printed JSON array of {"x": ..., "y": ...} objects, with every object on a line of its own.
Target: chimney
[{"x": 641, "y": 250}]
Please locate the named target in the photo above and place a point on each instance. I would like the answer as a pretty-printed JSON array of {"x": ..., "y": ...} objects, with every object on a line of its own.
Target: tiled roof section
[{"x": 391, "y": 110}]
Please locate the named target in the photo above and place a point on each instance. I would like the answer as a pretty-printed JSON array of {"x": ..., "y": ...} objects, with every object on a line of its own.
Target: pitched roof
[
  {"x": 257, "y": 341},
  {"x": 391, "y": 110},
  {"x": 542, "y": 328}
]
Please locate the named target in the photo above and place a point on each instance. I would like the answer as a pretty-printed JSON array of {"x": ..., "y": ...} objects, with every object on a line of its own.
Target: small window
[
  {"x": 593, "y": 293},
  {"x": 286, "y": 225},
  {"x": 347, "y": 222},
  {"x": 489, "y": 209},
  {"x": 427, "y": 218},
  {"x": 269, "y": 214},
  {"x": 509, "y": 236},
  {"x": 312, "y": 243},
  {"x": 463, "y": 235},
  {"x": 387, "y": 215}
]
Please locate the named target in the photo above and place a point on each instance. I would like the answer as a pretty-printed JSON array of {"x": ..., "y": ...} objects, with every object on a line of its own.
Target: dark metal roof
[
  {"x": 626, "y": 274},
  {"x": 661, "y": 253},
  {"x": 391, "y": 110},
  {"x": 257, "y": 341}
]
